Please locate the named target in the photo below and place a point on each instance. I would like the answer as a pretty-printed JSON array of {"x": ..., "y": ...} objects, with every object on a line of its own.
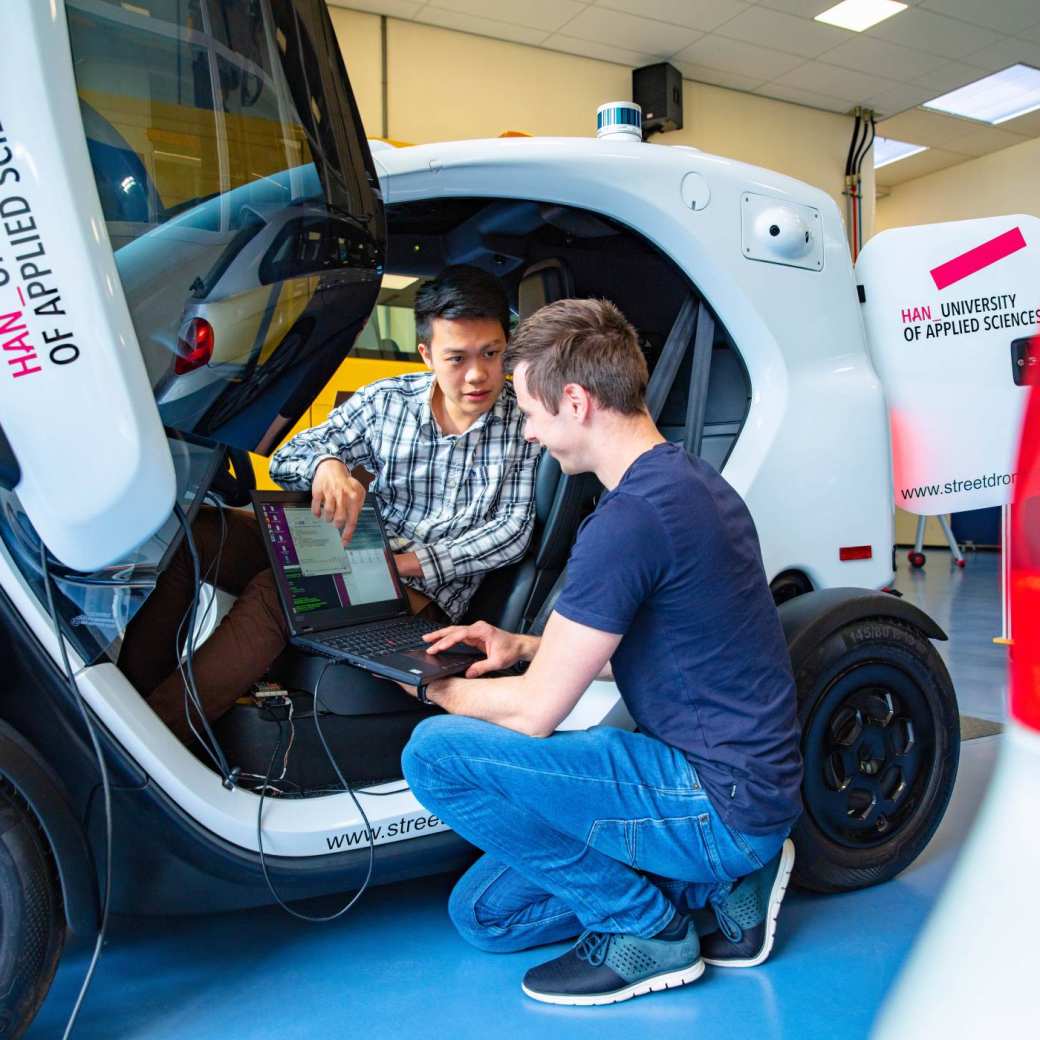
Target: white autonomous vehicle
[{"x": 143, "y": 150}]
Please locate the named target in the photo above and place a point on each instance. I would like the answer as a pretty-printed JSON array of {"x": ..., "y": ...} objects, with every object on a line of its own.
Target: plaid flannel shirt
[{"x": 464, "y": 504}]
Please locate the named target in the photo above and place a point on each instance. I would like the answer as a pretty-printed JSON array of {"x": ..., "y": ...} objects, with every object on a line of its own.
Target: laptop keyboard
[{"x": 383, "y": 637}]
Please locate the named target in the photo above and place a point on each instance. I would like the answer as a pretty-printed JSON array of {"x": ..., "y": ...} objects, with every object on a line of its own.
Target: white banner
[{"x": 950, "y": 309}]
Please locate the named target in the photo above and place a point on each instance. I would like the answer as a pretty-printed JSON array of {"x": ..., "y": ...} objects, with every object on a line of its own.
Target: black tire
[
  {"x": 788, "y": 586},
  {"x": 881, "y": 743},
  {"x": 32, "y": 922}
]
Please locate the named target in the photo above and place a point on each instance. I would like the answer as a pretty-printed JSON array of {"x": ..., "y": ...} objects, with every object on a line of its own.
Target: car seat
[
  {"x": 512, "y": 596},
  {"x": 520, "y": 598}
]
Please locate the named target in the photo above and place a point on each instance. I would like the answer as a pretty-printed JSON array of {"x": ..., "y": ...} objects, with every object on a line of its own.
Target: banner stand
[
  {"x": 916, "y": 555},
  {"x": 1005, "y": 637}
]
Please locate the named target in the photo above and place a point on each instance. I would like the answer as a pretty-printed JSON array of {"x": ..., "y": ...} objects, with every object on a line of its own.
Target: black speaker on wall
[{"x": 657, "y": 89}]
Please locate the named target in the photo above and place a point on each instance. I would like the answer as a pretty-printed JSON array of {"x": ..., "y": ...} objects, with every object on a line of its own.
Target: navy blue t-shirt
[{"x": 670, "y": 560}]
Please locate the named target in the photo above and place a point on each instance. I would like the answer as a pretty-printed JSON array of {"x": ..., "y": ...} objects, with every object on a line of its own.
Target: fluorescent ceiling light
[
  {"x": 994, "y": 99},
  {"x": 888, "y": 151},
  {"x": 858, "y": 15}
]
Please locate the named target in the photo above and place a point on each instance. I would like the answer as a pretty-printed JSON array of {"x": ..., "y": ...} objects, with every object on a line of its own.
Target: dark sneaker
[
  {"x": 742, "y": 933},
  {"x": 603, "y": 968}
]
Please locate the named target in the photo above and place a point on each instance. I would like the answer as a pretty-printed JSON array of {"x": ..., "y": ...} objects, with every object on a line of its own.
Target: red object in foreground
[
  {"x": 195, "y": 345},
  {"x": 976, "y": 259},
  {"x": 1025, "y": 572}
]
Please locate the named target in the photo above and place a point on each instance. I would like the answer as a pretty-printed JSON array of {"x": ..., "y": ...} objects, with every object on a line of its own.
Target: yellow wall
[
  {"x": 791, "y": 139},
  {"x": 445, "y": 85},
  {"x": 1007, "y": 181},
  {"x": 359, "y": 40}
]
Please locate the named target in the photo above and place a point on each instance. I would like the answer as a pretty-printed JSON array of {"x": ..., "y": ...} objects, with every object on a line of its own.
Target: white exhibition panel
[
  {"x": 945, "y": 303},
  {"x": 96, "y": 474}
]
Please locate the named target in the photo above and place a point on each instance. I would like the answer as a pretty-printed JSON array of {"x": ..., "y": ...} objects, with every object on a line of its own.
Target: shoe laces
[
  {"x": 730, "y": 929},
  {"x": 593, "y": 947}
]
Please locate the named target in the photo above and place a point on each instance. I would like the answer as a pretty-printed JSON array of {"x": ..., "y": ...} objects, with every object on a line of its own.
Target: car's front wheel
[
  {"x": 881, "y": 743},
  {"x": 32, "y": 923}
]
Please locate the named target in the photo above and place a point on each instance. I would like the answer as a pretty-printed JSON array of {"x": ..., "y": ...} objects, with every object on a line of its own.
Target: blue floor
[{"x": 395, "y": 968}]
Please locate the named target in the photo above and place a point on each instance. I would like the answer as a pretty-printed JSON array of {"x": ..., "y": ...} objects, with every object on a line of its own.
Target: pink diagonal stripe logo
[{"x": 978, "y": 258}]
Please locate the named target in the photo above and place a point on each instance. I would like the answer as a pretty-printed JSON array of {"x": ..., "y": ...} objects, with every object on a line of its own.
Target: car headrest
[
  {"x": 546, "y": 482},
  {"x": 543, "y": 283}
]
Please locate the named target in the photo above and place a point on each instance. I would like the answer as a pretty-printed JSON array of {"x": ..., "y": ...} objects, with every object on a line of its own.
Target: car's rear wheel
[
  {"x": 32, "y": 923},
  {"x": 881, "y": 743}
]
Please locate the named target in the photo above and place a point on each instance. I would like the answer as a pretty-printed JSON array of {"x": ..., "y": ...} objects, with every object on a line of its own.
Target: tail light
[
  {"x": 855, "y": 552},
  {"x": 195, "y": 346},
  {"x": 1025, "y": 572}
]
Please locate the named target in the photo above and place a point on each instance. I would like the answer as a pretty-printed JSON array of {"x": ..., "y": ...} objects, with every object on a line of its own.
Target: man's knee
[
  {"x": 261, "y": 594},
  {"x": 450, "y": 749},
  {"x": 478, "y": 923},
  {"x": 430, "y": 744}
]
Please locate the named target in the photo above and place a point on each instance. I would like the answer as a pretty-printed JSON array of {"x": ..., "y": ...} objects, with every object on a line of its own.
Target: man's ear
[
  {"x": 577, "y": 401},
  {"x": 426, "y": 354}
]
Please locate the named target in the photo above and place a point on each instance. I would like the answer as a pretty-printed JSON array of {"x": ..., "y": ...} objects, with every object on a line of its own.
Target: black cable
[
  {"x": 103, "y": 770},
  {"x": 346, "y": 787},
  {"x": 857, "y": 159},
  {"x": 852, "y": 144},
  {"x": 194, "y": 700},
  {"x": 870, "y": 128},
  {"x": 215, "y": 750},
  {"x": 869, "y": 144},
  {"x": 182, "y": 649}
]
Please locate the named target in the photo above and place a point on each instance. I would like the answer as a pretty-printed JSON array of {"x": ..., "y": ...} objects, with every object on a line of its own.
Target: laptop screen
[{"x": 321, "y": 583}]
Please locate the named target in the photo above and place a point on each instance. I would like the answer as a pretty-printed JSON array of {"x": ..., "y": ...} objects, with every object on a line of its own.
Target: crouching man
[{"x": 620, "y": 836}]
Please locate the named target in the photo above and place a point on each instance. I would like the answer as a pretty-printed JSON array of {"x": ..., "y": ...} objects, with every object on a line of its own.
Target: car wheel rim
[{"x": 868, "y": 747}]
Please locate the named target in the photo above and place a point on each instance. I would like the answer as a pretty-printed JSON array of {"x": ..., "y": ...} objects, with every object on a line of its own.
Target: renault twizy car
[{"x": 738, "y": 280}]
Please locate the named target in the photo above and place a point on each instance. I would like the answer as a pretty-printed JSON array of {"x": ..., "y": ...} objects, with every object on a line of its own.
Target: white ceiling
[{"x": 774, "y": 48}]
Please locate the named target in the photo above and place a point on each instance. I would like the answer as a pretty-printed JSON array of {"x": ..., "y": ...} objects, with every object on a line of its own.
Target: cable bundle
[{"x": 863, "y": 134}]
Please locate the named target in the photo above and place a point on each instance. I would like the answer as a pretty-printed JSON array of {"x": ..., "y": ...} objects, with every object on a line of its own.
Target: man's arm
[
  {"x": 320, "y": 459},
  {"x": 501, "y": 649},
  {"x": 343, "y": 436},
  {"x": 501, "y": 540},
  {"x": 567, "y": 658}
]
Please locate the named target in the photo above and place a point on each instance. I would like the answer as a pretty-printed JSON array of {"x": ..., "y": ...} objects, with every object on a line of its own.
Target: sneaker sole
[
  {"x": 776, "y": 897},
  {"x": 666, "y": 980}
]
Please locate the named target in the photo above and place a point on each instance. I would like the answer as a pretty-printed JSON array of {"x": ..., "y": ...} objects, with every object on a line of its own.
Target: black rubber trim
[
  {"x": 22, "y": 766},
  {"x": 10, "y": 471},
  {"x": 808, "y": 619}
]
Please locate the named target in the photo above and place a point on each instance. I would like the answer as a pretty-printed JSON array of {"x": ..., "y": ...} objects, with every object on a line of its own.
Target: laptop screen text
[{"x": 317, "y": 573}]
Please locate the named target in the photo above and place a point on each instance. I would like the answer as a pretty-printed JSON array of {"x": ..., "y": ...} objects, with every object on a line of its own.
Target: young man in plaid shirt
[{"x": 452, "y": 473}]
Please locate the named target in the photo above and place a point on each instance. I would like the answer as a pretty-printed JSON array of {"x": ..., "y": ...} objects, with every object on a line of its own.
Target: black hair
[{"x": 460, "y": 291}]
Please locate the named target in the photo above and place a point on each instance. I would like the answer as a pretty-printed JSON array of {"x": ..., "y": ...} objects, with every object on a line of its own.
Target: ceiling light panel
[
  {"x": 888, "y": 151},
  {"x": 994, "y": 99},
  {"x": 858, "y": 15}
]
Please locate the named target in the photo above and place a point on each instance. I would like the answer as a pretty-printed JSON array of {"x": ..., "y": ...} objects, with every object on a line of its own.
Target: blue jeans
[{"x": 601, "y": 829}]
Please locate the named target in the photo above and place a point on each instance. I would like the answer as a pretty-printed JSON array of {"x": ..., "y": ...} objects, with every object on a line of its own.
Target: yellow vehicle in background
[{"x": 386, "y": 346}]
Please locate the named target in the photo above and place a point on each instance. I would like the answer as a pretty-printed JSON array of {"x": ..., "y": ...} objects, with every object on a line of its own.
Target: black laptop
[{"x": 347, "y": 603}]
